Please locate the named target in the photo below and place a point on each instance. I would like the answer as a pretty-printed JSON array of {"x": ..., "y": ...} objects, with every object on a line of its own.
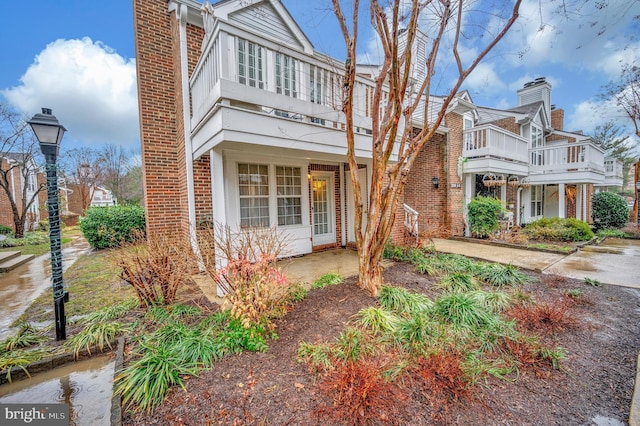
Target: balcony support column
[
  {"x": 469, "y": 182},
  {"x": 562, "y": 202},
  {"x": 579, "y": 195},
  {"x": 218, "y": 200},
  {"x": 585, "y": 217}
]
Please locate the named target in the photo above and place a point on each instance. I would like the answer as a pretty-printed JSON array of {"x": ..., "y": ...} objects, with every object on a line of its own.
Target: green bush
[
  {"x": 558, "y": 229},
  {"x": 483, "y": 215},
  {"x": 105, "y": 227},
  {"x": 609, "y": 211},
  {"x": 6, "y": 230}
]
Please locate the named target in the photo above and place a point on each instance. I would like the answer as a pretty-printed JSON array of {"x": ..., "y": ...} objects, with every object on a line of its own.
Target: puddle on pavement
[
  {"x": 19, "y": 287},
  {"x": 86, "y": 386},
  {"x": 606, "y": 421},
  {"x": 582, "y": 265}
]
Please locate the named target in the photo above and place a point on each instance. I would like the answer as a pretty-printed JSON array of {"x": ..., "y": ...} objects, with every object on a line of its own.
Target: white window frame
[
  {"x": 256, "y": 188},
  {"x": 286, "y": 75},
  {"x": 537, "y": 201},
  {"x": 537, "y": 141},
  {"x": 288, "y": 190},
  {"x": 250, "y": 63}
]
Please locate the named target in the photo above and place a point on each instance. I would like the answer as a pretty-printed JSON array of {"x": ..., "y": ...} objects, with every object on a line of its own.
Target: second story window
[
  {"x": 250, "y": 64},
  {"x": 537, "y": 141},
  {"x": 286, "y": 75},
  {"x": 316, "y": 85}
]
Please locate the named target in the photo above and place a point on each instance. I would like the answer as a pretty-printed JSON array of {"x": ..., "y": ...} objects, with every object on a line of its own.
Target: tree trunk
[
  {"x": 370, "y": 272},
  {"x": 19, "y": 224}
]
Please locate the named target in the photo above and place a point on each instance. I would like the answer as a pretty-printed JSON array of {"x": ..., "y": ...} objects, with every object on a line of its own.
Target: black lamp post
[{"x": 49, "y": 133}]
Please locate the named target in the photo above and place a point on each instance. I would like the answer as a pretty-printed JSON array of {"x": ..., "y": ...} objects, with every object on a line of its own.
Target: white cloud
[
  {"x": 575, "y": 33},
  {"x": 588, "y": 114},
  {"x": 484, "y": 79},
  {"x": 91, "y": 89}
]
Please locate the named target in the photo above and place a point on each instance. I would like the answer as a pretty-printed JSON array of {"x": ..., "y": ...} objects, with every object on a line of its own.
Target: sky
[{"x": 78, "y": 58}]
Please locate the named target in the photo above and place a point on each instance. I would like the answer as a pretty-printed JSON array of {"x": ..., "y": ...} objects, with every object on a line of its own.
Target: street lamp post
[{"x": 49, "y": 133}]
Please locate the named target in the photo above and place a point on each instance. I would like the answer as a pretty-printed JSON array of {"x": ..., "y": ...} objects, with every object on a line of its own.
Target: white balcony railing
[
  {"x": 612, "y": 168},
  {"x": 411, "y": 221},
  {"x": 567, "y": 157},
  {"x": 492, "y": 141}
]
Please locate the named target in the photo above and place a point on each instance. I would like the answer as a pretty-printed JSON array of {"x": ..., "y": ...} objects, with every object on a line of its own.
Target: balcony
[
  {"x": 613, "y": 175},
  {"x": 567, "y": 163},
  {"x": 490, "y": 149},
  {"x": 304, "y": 115}
]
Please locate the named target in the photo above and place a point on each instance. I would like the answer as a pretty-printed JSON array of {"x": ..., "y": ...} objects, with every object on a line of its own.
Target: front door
[{"x": 322, "y": 208}]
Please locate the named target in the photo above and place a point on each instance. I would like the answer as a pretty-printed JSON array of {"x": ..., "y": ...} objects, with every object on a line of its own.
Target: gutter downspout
[{"x": 181, "y": 14}]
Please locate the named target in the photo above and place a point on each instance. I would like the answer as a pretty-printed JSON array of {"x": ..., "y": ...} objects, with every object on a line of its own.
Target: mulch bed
[{"x": 595, "y": 383}]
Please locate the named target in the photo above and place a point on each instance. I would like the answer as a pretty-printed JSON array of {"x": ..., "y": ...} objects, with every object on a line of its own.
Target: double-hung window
[
  {"x": 289, "y": 194},
  {"x": 536, "y": 200},
  {"x": 315, "y": 85},
  {"x": 253, "y": 187},
  {"x": 537, "y": 141},
  {"x": 286, "y": 75},
  {"x": 250, "y": 64}
]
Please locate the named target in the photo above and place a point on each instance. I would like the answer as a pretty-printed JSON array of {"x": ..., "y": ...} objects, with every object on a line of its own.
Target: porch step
[
  {"x": 6, "y": 255},
  {"x": 12, "y": 259}
]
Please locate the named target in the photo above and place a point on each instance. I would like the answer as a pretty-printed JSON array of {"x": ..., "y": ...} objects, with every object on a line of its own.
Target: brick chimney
[{"x": 557, "y": 118}]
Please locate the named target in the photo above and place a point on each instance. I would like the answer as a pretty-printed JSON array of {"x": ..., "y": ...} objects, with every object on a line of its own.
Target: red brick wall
[
  {"x": 6, "y": 214},
  {"x": 453, "y": 186},
  {"x": 160, "y": 131},
  {"x": 557, "y": 119},
  {"x": 508, "y": 123},
  {"x": 420, "y": 194}
]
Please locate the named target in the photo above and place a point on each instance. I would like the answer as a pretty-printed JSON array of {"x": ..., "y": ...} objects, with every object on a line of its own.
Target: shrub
[
  {"x": 255, "y": 289},
  {"x": 6, "y": 230},
  {"x": 483, "y": 215},
  {"x": 156, "y": 267},
  {"x": 558, "y": 229},
  {"x": 105, "y": 227},
  {"x": 609, "y": 210},
  {"x": 361, "y": 395},
  {"x": 328, "y": 279}
]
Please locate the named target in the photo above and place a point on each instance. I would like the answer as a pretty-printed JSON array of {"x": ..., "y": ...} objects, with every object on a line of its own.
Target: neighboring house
[
  {"x": 97, "y": 196},
  {"x": 241, "y": 123},
  {"x": 18, "y": 182},
  {"x": 102, "y": 197}
]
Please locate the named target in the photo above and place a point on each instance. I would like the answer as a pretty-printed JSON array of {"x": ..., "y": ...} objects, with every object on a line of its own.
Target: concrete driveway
[{"x": 615, "y": 261}]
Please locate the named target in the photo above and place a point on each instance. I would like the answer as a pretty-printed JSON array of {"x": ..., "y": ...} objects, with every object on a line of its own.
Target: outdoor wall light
[
  {"x": 436, "y": 182},
  {"x": 49, "y": 133}
]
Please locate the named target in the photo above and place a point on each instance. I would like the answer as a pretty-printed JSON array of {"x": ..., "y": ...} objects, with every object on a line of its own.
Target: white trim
[
  {"x": 330, "y": 237},
  {"x": 182, "y": 14}
]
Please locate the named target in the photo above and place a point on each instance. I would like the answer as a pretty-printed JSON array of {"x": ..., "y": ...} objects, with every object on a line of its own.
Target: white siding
[{"x": 263, "y": 19}]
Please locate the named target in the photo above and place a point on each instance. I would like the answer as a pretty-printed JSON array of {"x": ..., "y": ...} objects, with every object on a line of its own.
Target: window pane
[{"x": 253, "y": 189}]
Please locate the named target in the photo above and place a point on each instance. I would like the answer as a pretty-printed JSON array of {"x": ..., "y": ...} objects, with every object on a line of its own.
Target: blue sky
[{"x": 78, "y": 58}]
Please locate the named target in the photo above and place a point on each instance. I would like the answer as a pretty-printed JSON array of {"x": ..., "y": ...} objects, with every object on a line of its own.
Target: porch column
[
  {"x": 218, "y": 200},
  {"x": 584, "y": 202},
  {"x": 344, "y": 181},
  {"x": 579, "y": 212},
  {"x": 217, "y": 187},
  {"x": 469, "y": 181},
  {"x": 562, "y": 205},
  {"x": 503, "y": 194}
]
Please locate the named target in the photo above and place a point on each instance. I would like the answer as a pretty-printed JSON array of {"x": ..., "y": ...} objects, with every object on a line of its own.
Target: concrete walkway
[
  {"x": 527, "y": 259},
  {"x": 615, "y": 261}
]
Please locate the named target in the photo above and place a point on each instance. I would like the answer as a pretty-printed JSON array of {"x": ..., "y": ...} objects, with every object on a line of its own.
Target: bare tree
[
  {"x": 392, "y": 128},
  {"x": 609, "y": 136},
  {"x": 114, "y": 161},
  {"x": 18, "y": 166},
  {"x": 626, "y": 92},
  {"x": 84, "y": 167}
]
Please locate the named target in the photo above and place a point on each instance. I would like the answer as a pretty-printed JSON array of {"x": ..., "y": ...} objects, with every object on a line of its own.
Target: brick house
[
  {"x": 240, "y": 123},
  {"x": 24, "y": 181}
]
